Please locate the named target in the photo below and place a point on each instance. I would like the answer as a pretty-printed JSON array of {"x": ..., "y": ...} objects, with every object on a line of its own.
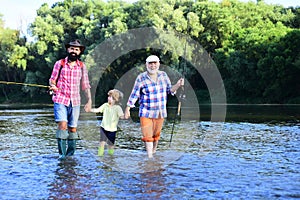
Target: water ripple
[{"x": 244, "y": 161}]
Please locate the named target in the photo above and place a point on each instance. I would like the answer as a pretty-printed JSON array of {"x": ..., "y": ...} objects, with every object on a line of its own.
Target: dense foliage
[{"x": 254, "y": 45}]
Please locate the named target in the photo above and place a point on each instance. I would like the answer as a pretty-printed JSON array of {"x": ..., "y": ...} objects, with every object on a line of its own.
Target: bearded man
[
  {"x": 68, "y": 75},
  {"x": 151, "y": 88}
]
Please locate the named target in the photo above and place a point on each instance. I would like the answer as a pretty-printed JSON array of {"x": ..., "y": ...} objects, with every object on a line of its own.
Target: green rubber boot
[
  {"x": 62, "y": 145},
  {"x": 111, "y": 151},
  {"x": 73, "y": 136},
  {"x": 100, "y": 151},
  {"x": 71, "y": 147},
  {"x": 62, "y": 136},
  {"x": 59, "y": 146}
]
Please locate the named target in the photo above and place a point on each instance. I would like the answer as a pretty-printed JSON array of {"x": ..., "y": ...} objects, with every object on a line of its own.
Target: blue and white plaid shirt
[{"x": 152, "y": 95}]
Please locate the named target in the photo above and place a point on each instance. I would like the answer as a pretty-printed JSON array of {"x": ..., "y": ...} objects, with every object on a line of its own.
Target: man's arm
[
  {"x": 85, "y": 84},
  {"x": 135, "y": 94},
  {"x": 179, "y": 83},
  {"x": 88, "y": 105},
  {"x": 54, "y": 76}
]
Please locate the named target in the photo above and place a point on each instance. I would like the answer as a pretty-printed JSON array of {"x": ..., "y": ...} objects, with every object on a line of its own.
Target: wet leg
[{"x": 149, "y": 148}]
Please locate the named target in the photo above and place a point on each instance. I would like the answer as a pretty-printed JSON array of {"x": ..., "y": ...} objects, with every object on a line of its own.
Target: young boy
[{"x": 112, "y": 112}]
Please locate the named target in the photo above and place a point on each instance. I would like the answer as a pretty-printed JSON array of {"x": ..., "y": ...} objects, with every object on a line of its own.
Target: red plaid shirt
[{"x": 69, "y": 82}]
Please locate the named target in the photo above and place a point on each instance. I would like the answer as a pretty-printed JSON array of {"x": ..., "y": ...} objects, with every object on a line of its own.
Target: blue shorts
[{"x": 67, "y": 114}]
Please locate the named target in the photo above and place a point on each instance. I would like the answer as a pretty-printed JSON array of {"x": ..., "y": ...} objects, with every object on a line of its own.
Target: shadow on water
[{"x": 256, "y": 156}]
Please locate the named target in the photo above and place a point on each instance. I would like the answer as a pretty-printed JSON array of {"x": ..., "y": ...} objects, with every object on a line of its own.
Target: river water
[{"x": 247, "y": 159}]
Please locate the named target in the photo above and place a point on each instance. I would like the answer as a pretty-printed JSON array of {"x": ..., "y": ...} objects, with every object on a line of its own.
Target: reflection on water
[
  {"x": 68, "y": 182},
  {"x": 245, "y": 161}
]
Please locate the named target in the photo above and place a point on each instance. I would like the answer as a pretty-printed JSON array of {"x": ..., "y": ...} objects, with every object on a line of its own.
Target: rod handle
[{"x": 179, "y": 107}]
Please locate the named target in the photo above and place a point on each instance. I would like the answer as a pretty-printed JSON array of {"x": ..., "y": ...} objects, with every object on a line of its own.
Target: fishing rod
[
  {"x": 25, "y": 84},
  {"x": 182, "y": 95},
  {"x": 181, "y": 98}
]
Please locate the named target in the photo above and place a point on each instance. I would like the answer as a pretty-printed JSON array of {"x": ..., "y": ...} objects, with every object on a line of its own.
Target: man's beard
[
  {"x": 73, "y": 57},
  {"x": 152, "y": 71}
]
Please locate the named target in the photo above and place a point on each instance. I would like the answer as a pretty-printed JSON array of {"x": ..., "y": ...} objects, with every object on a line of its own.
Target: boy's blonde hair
[{"x": 117, "y": 95}]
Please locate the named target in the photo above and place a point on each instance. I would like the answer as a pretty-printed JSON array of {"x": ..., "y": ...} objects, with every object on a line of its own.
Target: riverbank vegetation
[{"x": 254, "y": 45}]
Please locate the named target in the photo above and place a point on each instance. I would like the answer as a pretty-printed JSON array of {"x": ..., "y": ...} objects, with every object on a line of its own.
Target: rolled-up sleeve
[
  {"x": 55, "y": 71},
  {"x": 168, "y": 83},
  {"x": 135, "y": 94}
]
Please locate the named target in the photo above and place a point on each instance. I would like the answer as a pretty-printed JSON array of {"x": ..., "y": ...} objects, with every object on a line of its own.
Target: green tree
[
  {"x": 14, "y": 55},
  {"x": 252, "y": 43},
  {"x": 280, "y": 69}
]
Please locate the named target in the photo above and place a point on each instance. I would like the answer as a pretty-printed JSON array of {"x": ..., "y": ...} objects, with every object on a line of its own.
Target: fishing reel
[
  {"x": 181, "y": 96},
  {"x": 50, "y": 92}
]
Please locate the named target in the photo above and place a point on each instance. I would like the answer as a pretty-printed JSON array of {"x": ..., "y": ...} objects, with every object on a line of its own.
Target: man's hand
[
  {"x": 53, "y": 88},
  {"x": 88, "y": 106},
  {"x": 180, "y": 82},
  {"x": 127, "y": 112}
]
